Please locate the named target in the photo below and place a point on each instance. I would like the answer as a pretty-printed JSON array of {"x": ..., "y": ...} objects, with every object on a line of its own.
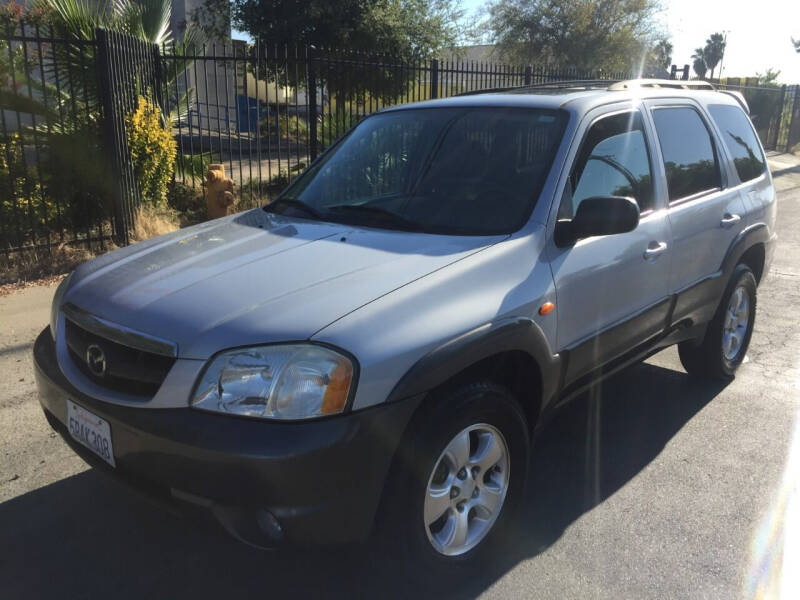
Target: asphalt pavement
[{"x": 656, "y": 486}]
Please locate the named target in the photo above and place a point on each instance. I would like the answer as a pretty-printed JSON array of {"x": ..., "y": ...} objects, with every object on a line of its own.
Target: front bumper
[{"x": 320, "y": 480}]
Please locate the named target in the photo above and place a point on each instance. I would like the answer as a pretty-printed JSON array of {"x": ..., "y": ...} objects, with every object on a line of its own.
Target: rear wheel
[
  {"x": 457, "y": 480},
  {"x": 727, "y": 338}
]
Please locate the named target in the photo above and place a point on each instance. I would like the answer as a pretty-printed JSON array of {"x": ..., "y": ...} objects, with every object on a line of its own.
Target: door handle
[
  {"x": 729, "y": 220},
  {"x": 654, "y": 249}
]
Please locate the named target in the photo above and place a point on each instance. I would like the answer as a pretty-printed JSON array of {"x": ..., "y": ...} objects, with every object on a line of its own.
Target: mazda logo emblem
[{"x": 96, "y": 360}]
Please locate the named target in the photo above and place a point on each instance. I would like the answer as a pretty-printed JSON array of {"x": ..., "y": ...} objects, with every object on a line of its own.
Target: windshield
[{"x": 469, "y": 171}]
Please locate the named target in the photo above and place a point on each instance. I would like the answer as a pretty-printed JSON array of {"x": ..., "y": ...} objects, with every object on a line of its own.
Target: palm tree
[
  {"x": 699, "y": 62},
  {"x": 713, "y": 51},
  {"x": 148, "y": 20},
  {"x": 661, "y": 54}
]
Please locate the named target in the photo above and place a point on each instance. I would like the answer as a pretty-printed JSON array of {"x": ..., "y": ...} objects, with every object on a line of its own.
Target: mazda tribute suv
[{"x": 373, "y": 351}]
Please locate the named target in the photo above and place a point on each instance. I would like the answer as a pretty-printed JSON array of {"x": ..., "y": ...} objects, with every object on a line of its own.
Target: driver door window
[{"x": 613, "y": 161}]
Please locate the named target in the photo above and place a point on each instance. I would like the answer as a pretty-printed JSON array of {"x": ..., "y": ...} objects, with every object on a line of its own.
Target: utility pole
[{"x": 724, "y": 47}]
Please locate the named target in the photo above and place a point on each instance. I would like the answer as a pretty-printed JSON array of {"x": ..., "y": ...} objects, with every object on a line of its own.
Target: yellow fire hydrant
[{"x": 220, "y": 200}]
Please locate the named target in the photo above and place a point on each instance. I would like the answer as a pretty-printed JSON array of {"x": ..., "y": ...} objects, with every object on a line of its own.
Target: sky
[{"x": 759, "y": 32}]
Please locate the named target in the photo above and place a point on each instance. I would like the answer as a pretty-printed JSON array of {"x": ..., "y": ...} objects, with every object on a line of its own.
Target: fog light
[{"x": 269, "y": 524}]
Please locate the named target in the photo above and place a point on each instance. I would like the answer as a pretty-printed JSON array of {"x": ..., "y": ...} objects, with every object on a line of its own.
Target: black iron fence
[
  {"x": 266, "y": 111},
  {"x": 49, "y": 113},
  {"x": 126, "y": 69},
  {"x": 263, "y": 111},
  {"x": 771, "y": 108}
]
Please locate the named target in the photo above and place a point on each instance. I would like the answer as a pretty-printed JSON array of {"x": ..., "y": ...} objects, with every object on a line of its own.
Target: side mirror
[{"x": 599, "y": 215}]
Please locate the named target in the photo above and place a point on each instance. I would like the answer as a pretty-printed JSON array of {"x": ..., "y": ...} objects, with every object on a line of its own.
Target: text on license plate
[{"x": 91, "y": 431}]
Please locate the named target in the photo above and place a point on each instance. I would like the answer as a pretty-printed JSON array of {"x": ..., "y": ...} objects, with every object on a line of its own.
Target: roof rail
[
  {"x": 660, "y": 83},
  {"x": 571, "y": 83}
]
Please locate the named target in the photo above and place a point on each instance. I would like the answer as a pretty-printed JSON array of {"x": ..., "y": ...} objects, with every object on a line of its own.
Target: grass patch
[
  {"x": 152, "y": 221},
  {"x": 23, "y": 269}
]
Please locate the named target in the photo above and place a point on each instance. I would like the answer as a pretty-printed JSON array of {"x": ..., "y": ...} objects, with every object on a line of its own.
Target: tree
[
  {"x": 713, "y": 51},
  {"x": 585, "y": 34},
  {"x": 768, "y": 78},
  {"x": 213, "y": 18},
  {"x": 699, "y": 62},
  {"x": 148, "y": 20},
  {"x": 404, "y": 29},
  {"x": 660, "y": 54}
]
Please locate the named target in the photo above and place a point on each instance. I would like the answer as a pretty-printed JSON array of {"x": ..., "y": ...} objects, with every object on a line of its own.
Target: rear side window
[
  {"x": 613, "y": 161},
  {"x": 740, "y": 139},
  {"x": 688, "y": 150}
]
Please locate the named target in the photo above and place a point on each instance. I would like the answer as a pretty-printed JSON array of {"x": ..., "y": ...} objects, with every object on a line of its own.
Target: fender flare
[
  {"x": 459, "y": 353},
  {"x": 757, "y": 233}
]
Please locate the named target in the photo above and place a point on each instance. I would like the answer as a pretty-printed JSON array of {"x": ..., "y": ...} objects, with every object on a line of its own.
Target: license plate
[{"x": 91, "y": 431}]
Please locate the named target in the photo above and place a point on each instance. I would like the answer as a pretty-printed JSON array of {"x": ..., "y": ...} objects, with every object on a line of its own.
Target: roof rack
[
  {"x": 571, "y": 83},
  {"x": 614, "y": 85},
  {"x": 660, "y": 83}
]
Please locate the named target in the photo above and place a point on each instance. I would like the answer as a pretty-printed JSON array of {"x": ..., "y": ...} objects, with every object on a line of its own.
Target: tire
[
  {"x": 486, "y": 414},
  {"x": 725, "y": 344}
]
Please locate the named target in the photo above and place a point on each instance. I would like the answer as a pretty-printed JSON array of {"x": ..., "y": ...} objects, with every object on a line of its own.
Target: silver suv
[{"x": 374, "y": 350}]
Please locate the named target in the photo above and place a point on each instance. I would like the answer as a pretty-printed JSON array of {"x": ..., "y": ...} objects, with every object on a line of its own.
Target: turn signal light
[
  {"x": 546, "y": 308},
  {"x": 338, "y": 388}
]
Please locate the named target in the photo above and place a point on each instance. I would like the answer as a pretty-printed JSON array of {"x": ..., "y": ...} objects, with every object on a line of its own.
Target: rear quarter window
[
  {"x": 690, "y": 160},
  {"x": 740, "y": 140}
]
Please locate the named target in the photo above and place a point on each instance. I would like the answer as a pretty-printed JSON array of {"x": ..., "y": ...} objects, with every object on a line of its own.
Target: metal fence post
[
  {"x": 111, "y": 134},
  {"x": 434, "y": 79},
  {"x": 313, "y": 146},
  {"x": 528, "y": 78},
  {"x": 773, "y": 141},
  {"x": 792, "y": 115},
  {"x": 159, "y": 93}
]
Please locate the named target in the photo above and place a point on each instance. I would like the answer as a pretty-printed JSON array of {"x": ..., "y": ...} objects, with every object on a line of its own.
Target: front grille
[{"x": 127, "y": 370}]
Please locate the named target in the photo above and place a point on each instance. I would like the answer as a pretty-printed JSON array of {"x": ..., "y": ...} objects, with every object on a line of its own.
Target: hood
[{"x": 255, "y": 278}]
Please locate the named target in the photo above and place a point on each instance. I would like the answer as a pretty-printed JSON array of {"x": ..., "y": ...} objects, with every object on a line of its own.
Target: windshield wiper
[
  {"x": 294, "y": 203},
  {"x": 383, "y": 214}
]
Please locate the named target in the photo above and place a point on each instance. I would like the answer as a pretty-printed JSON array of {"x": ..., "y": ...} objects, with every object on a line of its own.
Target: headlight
[
  {"x": 283, "y": 381},
  {"x": 56, "y": 305}
]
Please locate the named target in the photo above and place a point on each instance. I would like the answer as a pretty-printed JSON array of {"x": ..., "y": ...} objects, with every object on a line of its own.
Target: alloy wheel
[
  {"x": 734, "y": 328},
  {"x": 466, "y": 490}
]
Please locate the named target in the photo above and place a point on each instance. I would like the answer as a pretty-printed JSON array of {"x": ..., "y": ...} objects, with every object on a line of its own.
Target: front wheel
[
  {"x": 466, "y": 489},
  {"x": 725, "y": 344},
  {"x": 457, "y": 480}
]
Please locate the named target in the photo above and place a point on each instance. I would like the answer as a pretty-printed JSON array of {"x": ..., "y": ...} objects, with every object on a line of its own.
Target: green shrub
[
  {"x": 290, "y": 127},
  {"x": 153, "y": 151},
  {"x": 188, "y": 202},
  {"x": 332, "y": 126},
  {"x": 22, "y": 201},
  {"x": 254, "y": 193},
  {"x": 195, "y": 165}
]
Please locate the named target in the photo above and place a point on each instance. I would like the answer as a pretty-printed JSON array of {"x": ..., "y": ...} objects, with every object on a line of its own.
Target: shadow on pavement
[{"x": 88, "y": 537}]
